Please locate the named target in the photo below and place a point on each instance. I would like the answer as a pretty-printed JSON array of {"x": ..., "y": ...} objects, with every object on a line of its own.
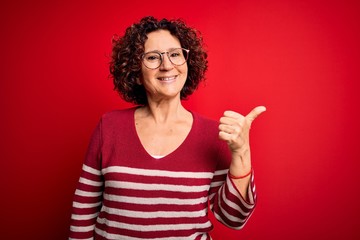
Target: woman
[{"x": 150, "y": 171}]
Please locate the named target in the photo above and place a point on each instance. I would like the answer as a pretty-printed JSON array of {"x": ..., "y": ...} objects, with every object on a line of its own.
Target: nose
[{"x": 166, "y": 64}]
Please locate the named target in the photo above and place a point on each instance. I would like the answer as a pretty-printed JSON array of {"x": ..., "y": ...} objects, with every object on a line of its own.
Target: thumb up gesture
[{"x": 234, "y": 128}]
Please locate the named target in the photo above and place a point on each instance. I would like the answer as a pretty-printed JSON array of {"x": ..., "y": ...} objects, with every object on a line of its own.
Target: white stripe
[
  {"x": 204, "y": 237},
  {"x": 154, "y": 214},
  {"x": 90, "y": 182},
  {"x": 124, "y": 237},
  {"x": 252, "y": 193},
  {"x": 156, "y": 187},
  {"x": 154, "y": 227},
  {"x": 157, "y": 173},
  {"x": 231, "y": 204},
  {"x": 222, "y": 221},
  {"x": 87, "y": 194},
  {"x": 237, "y": 194},
  {"x": 221, "y": 172},
  {"x": 82, "y": 228},
  {"x": 218, "y": 173},
  {"x": 229, "y": 216},
  {"x": 84, "y": 217},
  {"x": 211, "y": 196},
  {"x": 152, "y": 201},
  {"x": 86, "y": 205},
  {"x": 216, "y": 184},
  {"x": 91, "y": 170}
]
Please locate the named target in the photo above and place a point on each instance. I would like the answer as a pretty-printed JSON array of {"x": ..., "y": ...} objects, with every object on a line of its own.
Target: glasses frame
[{"x": 162, "y": 57}]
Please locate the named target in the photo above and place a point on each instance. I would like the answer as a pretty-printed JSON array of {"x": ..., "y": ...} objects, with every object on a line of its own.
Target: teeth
[{"x": 167, "y": 78}]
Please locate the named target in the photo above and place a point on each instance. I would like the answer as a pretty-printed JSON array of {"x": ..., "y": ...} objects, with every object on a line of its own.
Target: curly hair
[{"x": 127, "y": 51}]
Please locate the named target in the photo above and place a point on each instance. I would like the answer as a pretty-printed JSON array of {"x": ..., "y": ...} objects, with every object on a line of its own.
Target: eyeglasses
[{"x": 154, "y": 59}]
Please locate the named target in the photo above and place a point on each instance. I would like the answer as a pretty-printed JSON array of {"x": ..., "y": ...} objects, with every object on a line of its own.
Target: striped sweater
[{"x": 124, "y": 193}]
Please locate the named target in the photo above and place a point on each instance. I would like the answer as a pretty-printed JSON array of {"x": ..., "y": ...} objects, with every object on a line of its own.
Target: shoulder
[
  {"x": 205, "y": 126},
  {"x": 116, "y": 119},
  {"x": 127, "y": 112},
  {"x": 118, "y": 115},
  {"x": 203, "y": 121}
]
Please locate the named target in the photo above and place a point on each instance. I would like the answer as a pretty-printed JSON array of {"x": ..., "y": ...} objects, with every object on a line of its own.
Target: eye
[
  {"x": 151, "y": 57},
  {"x": 175, "y": 53}
]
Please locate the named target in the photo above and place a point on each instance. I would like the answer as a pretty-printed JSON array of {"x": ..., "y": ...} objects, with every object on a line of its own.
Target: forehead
[{"x": 161, "y": 40}]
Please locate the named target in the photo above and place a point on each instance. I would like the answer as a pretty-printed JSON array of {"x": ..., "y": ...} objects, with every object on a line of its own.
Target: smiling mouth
[{"x": 167, "y": 79}]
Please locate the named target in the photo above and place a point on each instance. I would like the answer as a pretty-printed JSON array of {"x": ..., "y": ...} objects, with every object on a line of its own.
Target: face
[{"x": 166, "y": 81}]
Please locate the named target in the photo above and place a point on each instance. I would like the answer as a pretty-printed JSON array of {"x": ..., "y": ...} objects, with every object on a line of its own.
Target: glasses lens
[
  {"x": 152, "y": 59},
  {"x": 178, "y": 56}
]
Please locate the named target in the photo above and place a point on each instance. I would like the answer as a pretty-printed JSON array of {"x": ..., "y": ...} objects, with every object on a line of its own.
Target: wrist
[
  {"x": 240, "y": 168},
  {"x": 240, "y": 176}
]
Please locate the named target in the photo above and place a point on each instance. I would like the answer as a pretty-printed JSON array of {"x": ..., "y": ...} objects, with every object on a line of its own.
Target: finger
[
  {"x": 255, "y": 113},
  {"x": 228, "y": 120},
  {"x": 232, "y": 114},
  {"x": 225, "y": 136},
  {"x": 228, "y": 128}
]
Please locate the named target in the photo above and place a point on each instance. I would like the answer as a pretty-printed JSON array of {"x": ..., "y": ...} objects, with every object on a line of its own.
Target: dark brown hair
[{"x": 127, "y": 51}]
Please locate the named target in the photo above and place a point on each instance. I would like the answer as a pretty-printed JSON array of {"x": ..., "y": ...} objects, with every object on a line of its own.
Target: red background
[{"x": 300, "y": 59}]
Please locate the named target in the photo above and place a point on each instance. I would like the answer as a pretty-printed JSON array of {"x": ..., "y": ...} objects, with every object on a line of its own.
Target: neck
[{"x": 165, "y": 111}]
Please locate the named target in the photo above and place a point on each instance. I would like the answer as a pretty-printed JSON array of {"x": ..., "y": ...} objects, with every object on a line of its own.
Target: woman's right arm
[{"x": 88, "y": 195}]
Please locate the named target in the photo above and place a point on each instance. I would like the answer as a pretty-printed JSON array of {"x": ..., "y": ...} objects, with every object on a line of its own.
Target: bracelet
[{"x": 239, "y": 177}]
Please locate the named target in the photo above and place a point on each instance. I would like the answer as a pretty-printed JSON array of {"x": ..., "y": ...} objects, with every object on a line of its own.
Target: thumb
[{"x": 255, "y": 113}]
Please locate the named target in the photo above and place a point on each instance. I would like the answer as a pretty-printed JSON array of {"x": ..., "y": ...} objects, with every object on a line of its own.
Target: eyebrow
[{"x": 168, "y": 50}]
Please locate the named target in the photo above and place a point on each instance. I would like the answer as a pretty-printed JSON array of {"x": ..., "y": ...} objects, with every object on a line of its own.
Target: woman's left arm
[{"x": 234, "y": 128}]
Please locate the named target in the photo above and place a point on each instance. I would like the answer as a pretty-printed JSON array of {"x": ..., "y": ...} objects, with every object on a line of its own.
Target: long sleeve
[
  {"x": 226, "y": 202},
  {"x": 88, "y": 194},
  {"x": 124, "y": 193}
]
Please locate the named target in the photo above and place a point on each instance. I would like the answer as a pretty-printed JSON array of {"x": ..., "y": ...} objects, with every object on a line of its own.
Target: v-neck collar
[{"x": 146, "y": 153}]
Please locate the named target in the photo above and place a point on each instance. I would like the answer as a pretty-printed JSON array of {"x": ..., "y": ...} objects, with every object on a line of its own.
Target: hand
[{"x": 234, "y": 129}]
